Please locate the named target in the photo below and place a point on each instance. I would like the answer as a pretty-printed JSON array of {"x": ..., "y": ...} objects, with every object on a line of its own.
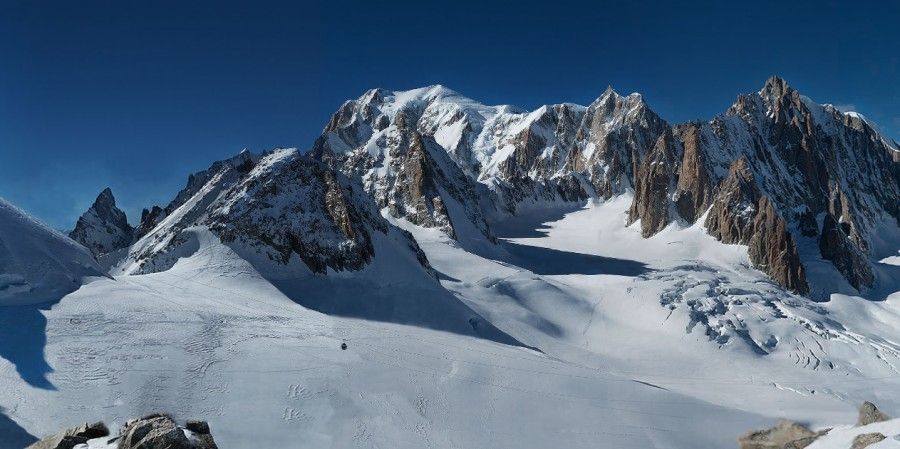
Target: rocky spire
[
  {"x": 775, "y": 86},
  {"x": 103, "y": 228}
]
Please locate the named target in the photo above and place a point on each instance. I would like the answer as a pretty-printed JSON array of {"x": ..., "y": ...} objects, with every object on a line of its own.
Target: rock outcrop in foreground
[
  {"x": 869, "y": 414},
  {"x": 785, "y": 435},
  {"x": 150, "y": 432},
  {"x": 791, "y": 435}
]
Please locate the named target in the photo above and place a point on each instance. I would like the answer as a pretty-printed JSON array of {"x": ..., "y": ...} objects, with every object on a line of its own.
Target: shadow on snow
[
  {"x": 548, "y": 261},
  {"x": 23, "y": 335},
  {"x": 13, "y": 436}
]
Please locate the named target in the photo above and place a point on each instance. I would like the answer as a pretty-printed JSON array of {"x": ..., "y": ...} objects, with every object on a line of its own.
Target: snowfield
[
  {"x": 617, "y": 341},
  {"x": 37, "y": 263}
]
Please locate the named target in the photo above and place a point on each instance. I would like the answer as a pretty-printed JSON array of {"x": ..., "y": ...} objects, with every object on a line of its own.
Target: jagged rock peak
[
  {"x": 775, "y": 86},
  {"x": 610, "y": 98},
  {"x": 103, "y": 228}
]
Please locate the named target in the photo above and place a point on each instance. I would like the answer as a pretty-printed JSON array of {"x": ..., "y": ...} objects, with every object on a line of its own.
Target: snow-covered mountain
[
  {"x": 812, "y": 183},
  {"x": 827, "y": 188},
  {"x": 280, "y": 209},
  {"x": 103, "y": 228},
  {"x": 311, "y": 231},
  {"x": 37, "y": 263}
]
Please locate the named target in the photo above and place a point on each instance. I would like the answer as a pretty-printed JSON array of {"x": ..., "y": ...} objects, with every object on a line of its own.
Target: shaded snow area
[{"x": 608, "y": 340}]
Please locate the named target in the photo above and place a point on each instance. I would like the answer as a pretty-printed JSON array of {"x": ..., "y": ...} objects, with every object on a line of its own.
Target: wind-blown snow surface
[
  {"x": 37, "y": 263},
  {"x": 667, "y": 342},
  {"x": 211, "y": 338},
  {"x": 228, "y": 346}
]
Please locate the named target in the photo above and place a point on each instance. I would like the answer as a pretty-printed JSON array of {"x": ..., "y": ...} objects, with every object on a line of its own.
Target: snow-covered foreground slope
[
  {"x": 222, "y": 343},
  {"x": 667, "y": 342}
]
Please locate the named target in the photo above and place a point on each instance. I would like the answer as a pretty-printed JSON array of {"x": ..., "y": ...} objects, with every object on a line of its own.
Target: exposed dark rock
[
  {"x": 808, "y": 226},
  {"x": 865, "y": 440},
  {"x": 149, "y": 219},
  {"x": 162, "y": 432},
  {"x": 741, "y": 214},
  {"x": 694, "y": 190},
  {"x": 419, "y": 196},
  {"x": 803, "y": 155},
  {"x": 198, "y": 427},
  {"x": 156, "y": 432},
  {"x": 836, "y": 246},
  {"x": 622, "y": 130},
  {"x": 72, "y": 437},
  {"x": 653, "y": 183},
  {"x": 103, "y": 228},
  {"x": 784, "y": 435},
  {"x": 288, "y": 206},
  {"x": 869, "y": 413}
]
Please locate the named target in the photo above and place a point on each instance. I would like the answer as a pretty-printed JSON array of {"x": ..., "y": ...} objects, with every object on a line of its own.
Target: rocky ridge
[{"x": 277, "y": 207}]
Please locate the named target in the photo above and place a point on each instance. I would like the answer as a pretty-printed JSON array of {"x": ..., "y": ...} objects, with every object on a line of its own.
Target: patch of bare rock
[
  {"x": 150, "y": 432},
  {"x": 791, "y": 435}
]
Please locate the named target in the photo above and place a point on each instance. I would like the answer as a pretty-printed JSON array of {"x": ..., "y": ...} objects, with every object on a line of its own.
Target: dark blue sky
[{"x": 136, "y": 95}]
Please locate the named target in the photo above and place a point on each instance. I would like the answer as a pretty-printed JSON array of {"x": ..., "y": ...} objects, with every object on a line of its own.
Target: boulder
[
  {"x": 869, "y": 413},
  {"x": 864, "y": 440},
  {"x": 785, "y": 435},
  {"x": 154, "y": 432},
  {"x": 72, "y": 437},
  {"x": 202, "y": 433}
]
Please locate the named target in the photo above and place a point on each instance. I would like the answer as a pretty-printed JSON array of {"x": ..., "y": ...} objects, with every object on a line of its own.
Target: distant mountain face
[
  {"x": 279, "y": 207},
  {"x": 809, "y": 173},
  {"x": 439, "y": 159},
  {"x": 795, "y": 181},
  {"x": 103, "y": 228},
  {"x": 775, "y": 172},
  {"x": 37, "y": 263}
]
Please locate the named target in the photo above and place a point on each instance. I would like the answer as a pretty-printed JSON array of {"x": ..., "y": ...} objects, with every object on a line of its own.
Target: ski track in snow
[{"x": 626, "y": 360}]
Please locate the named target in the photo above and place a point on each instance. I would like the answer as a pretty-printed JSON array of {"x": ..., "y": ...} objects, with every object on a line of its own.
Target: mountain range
[
  {"x": 795, "y": 181},
  {"x": 432, "y": 265}
]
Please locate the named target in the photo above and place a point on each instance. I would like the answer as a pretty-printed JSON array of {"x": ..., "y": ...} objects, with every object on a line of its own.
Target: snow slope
[
  {"x": 38, "y": 264},
  {"x": 680, "y": 311},
  {"x": 226, "y": 345},
  {"x": 668, "y": 342}
]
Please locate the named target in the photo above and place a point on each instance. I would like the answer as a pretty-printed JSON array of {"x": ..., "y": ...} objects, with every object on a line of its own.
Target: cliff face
[
  {"x": 807, "y": 161},
  {"x": 654, "y": 182},
  {"x": 740, "y": 213}
]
